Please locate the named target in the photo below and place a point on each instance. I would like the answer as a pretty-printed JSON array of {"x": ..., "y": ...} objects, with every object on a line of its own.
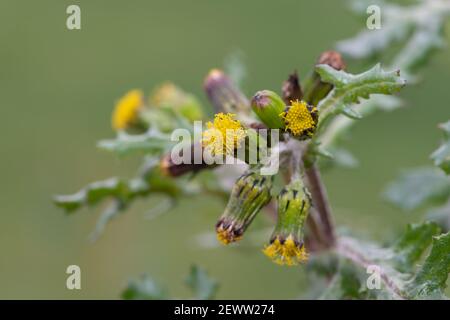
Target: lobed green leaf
[
  {"x": 418, "y": 187},
  {"x": 349, "y": 89}
]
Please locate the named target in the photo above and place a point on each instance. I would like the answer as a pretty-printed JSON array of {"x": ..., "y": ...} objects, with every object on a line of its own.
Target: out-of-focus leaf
[
  {"x": 400, "y": 272},
  {"x": 344, "y": 158},
  {"x": 351, "y": 113},
  {"x": 419, "y": 25},
  {"x": 97, "y": 191},
  {"x": 123, "y": 192},
  {"x": 441, "y": 156},
  {"x": 170, "y": 96},
  {"x": 322, "y": 264},
  {"x": 144, "y": 288},
  {"x": 341, "y": 157},
  {"x": 417, "y": 187},
  {"x": 395, "y": 26},
  {"x": 341, "y": 125},
  {"x": 425, "y": 39},
  {"x": 345, "y": 284},
  {"x": 201, "y": 284},
  {"x": 145, "y": 143},
  {"x": 349, "y": 89},
  {"x": 440, "y": 215},
  {"x": 430, "y": 280},
  {"x": 412, "y": 244}
]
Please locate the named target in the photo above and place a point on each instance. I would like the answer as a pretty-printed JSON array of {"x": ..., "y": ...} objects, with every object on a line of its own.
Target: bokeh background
[{"x": 57, "y": 92}]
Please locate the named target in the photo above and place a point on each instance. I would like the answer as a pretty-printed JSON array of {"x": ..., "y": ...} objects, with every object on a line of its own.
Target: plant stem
[
  {"x": 314, "y": 240},
  {"x": 347, "y": 249},
  {"x": 320, "y": 201}
]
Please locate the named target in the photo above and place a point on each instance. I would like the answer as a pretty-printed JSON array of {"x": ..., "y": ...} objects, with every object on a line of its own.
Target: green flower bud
[
  {"x": 286, "y": 244},
  {"x": 250, "y": 193},
  {"x": 268, "y": 106},
  {"x": 172, "y": 97}
]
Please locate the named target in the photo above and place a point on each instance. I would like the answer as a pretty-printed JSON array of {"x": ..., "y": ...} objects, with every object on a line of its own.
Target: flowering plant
[{"x": 300, "y": 129}]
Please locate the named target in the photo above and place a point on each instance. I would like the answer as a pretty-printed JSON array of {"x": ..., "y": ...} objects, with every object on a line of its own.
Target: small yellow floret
[
  {"x": 299, "y": 119},
  {"x": 126, "y": 110},
  {"x": 223, "y": 135},
  {"x": 226, "y": 236},
  {"x": 287, "y": 253},
  {"x": 166, "y": 92}
]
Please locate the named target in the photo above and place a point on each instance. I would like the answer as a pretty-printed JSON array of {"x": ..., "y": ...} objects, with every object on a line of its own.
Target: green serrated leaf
[
  {"x": 349, "y": 88},
  {"x": 97, "y": 191},
  {"x": 144, "y": 288},
  {"x": 441, "y": 156},
  {"x": 417, "y": 187},
  {"x": 122, "y": 193},
  {"x": 399, "y": 269},
  {"x": 413, "y": 244},
  {"x": 201, "y": 284},
  {"x": 432, "y": 276}
]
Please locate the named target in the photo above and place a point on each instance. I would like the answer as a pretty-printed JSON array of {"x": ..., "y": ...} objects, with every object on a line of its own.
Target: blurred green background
[{"x": 57, "y": 92}]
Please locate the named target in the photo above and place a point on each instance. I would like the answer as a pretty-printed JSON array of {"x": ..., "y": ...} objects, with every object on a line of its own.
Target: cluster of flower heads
[
  {"x": 132, "y": 113},
  {"x": 253, "y": 191},
  {"x": 248, "y": 196},
  {"x": 223, "y": 136},
  {"x": 225, "y": 133}
]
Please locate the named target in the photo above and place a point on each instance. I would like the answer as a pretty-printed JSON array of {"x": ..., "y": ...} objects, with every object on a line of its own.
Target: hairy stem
[
  {"x": 320, "y": 201},
  {"x": 345, "y": 248},
  {"x": 314, "y": 239}
]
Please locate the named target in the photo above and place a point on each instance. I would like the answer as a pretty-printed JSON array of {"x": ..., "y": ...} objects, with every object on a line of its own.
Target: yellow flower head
[
  {"x": 226, "y": 235},
  {"x": 286, "y": 251},
  {"x": 223, "y": 135},
  {"x": 126, "y": 110},
  {"x": 300, "y": 118}
]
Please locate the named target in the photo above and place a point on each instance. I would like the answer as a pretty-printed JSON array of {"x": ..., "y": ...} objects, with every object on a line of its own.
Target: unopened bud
[
  {"x": 224, "y": 94},
  {"x": 314, "y": 89},
  {"x": 268, "y": 106},
  {"x": 250, "y": 193},
  {"x": 170, "y": 96}
]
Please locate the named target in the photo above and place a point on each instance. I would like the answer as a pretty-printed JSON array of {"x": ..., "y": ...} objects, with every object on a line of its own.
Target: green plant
[{"x": 306, "y": 123}]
